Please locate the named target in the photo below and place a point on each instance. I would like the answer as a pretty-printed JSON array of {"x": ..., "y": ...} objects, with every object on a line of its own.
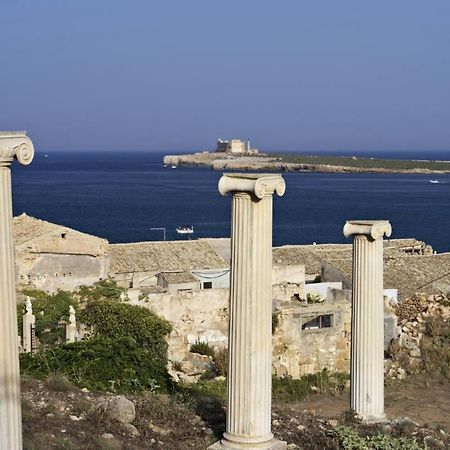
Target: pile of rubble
[{"x": 413, "y": 314}]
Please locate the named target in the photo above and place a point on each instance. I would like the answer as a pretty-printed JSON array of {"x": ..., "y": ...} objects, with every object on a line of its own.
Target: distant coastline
[{"x": 306, "y": 163}]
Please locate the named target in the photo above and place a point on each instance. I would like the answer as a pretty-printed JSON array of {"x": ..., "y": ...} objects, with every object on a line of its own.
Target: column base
[
  {"x": 273, "y": 444},
  {"x": 373, "y": 419}
]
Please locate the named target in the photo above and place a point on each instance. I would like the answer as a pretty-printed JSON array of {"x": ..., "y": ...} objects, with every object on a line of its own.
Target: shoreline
[{"x": 304, "y": 163}]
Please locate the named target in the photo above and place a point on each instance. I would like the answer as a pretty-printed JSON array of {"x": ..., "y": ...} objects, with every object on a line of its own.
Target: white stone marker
[
  {"x": 29, "y": 321},
  {"x": 71, "y": 328},
  {"x": 367, "y": 343},
  {"x": 250, "y": 330},
  {"x": 12, "y": 145}
]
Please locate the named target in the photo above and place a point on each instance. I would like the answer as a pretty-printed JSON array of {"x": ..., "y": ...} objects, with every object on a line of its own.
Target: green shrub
[
  {"x": 58, "y": 383},
  {"x": 350, "y": 440},
  {"x": 202, "y": 348},
  {"x": 111, "y": 320},
  {"x": 127, "y": 353},
  {"x": 49, "y": 309},
  {"x": 287, "y": 389},
  {"x": 102, "y": 290},
  {"x": 120, "y": 365}
]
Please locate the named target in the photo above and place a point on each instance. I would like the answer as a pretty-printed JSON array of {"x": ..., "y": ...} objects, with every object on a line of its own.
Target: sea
[{"x": 121, "y": 196}]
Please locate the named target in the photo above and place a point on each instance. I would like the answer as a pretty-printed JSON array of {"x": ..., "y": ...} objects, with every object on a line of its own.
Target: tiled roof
[
  {"x": 40, "y": 236},
  {"x": 409, "y": 274},
  {"x": 168, "y": 256},
  {"x": 312, "y": 256},
  {"x": 179, "y": 277}
]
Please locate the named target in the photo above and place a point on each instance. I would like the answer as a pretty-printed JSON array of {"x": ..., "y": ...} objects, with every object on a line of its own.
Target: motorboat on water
[
  {"x": 434, "y": 181},
  {"x": 185, "y": 229}
]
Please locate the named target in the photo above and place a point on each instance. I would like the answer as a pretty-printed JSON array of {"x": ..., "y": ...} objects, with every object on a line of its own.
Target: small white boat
[
  {"x": 174, "y": 166},
  {"x": 434, "y": 181},
  {"x": 185, "y": 229}
]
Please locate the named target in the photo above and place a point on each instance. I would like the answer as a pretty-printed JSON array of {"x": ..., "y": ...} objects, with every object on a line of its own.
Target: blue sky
[{"x": 176, "y": 75}]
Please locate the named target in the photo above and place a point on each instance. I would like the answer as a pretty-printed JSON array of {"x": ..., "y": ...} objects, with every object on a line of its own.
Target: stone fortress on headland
[{"x": 235, "y": 146}]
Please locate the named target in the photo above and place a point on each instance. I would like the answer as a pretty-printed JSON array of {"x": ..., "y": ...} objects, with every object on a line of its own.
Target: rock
[
  {"x": 292, "y": 446},
  {"x": 74, "y": 418},
  {"x": 196, "y": 364},
  {"x": 118, "y": 408},
  {"x": 158, "y": 430},
  {"x": 301, "y": 427},
  {"x": 84, "y": 390},
  {"x": 333, "y": 423},
  {"x": 131, "y": 429},
  {"x": 415, "y": 353},
  {"x": 107, "y": 436}
]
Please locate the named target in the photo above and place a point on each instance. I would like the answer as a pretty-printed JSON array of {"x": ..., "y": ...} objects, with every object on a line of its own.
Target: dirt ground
[
  {"x": 66, "y": 420},
  {"x": 421, "y": 398}
]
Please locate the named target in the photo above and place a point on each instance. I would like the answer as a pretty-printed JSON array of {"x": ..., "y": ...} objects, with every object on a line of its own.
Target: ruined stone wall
[
  {"x": 203, "y": 316},
  {"x": 297, "y": 351}
]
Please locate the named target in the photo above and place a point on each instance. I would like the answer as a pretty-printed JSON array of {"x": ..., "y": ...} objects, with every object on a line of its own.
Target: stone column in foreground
[
  {"x": 19, "y": 146},
  {"x": 250, "y": 328},
  {"x": 367, "y": 346}
]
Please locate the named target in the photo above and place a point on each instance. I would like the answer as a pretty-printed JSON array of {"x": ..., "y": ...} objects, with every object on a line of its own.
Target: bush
[
  {"x": 202, "y": 348},
  {"x": 127, "y": 353},
  {"x": 102, "y": 290},
  {"x": 350, "y": 440},
  {"x": 49, "y": 309},
  {"x": 221, "y": 361},
  {"x": 59, "y": 383},
  {"x": 120, "y": 365},
  {"x": 435, "y": 347},
  {"x": 289, "y": 390}
]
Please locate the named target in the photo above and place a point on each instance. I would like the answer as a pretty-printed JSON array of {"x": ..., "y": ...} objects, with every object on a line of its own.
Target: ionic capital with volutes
[
  {"x": 15, "y": 144},
  {"x": 259, "y": 185},
  {"x": 375, "y": 229}
]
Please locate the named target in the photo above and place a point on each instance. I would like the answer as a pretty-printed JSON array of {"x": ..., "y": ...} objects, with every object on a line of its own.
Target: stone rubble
[{"x": 412, "y": 315}]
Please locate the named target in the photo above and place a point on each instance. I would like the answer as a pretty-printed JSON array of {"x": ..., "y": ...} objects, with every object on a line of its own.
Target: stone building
[
  {"x": 51, "y": 256},
  {"x": 235, "y": 146},
  {"x": 312, "y": 256},
  {"x": 429, "y": 274},
  {"x": 172, "y": 265}
]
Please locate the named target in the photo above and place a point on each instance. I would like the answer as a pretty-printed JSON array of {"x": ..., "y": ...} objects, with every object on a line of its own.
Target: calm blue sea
[{"x": 120, "y": 196}]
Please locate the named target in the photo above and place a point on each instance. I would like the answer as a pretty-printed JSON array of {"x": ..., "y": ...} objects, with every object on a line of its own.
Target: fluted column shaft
[
  {"x": 367, "y": 333},
  {"x": 250, "y": 327},
  {"x": 10, "y": 412},
  {"x": 12, "y": 145},
  {"x": 250, "y": 341}
]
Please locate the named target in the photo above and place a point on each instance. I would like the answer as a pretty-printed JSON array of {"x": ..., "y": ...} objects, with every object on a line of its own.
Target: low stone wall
[{"x": 203, "y": 316}]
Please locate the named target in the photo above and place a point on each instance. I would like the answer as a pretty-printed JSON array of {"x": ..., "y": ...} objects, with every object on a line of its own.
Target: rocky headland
[{"x": 304, "y": 163}]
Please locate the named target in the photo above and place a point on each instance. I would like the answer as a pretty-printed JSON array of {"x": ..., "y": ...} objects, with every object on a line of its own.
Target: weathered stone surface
[
  {"x": 367, "y": 340},
  {"x": 118, "y": 408}
]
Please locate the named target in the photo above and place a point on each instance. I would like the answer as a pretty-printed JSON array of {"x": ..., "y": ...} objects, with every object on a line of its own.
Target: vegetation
[
  {"x": 50, "y": 310},
  {"x": 202, "y": 348},
  {"x": 365, "y": 163},
  {"x": 127, "y": 352},
  {"x": 435, "y": 346},
  {"x": 287, "y": 389},
  {"x": 350, "y": 440},
  {"x": 102, "y": 290}
]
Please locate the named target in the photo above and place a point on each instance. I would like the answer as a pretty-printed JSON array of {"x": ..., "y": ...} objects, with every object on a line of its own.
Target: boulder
[{"x": 118, "y": 408}]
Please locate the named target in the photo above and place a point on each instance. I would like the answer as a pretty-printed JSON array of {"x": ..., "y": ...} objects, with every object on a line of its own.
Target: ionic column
[
  {"x": 367, "y": 342},
  {"x": 250, "y": 327},
  {"x": 12, "y": 145}
]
